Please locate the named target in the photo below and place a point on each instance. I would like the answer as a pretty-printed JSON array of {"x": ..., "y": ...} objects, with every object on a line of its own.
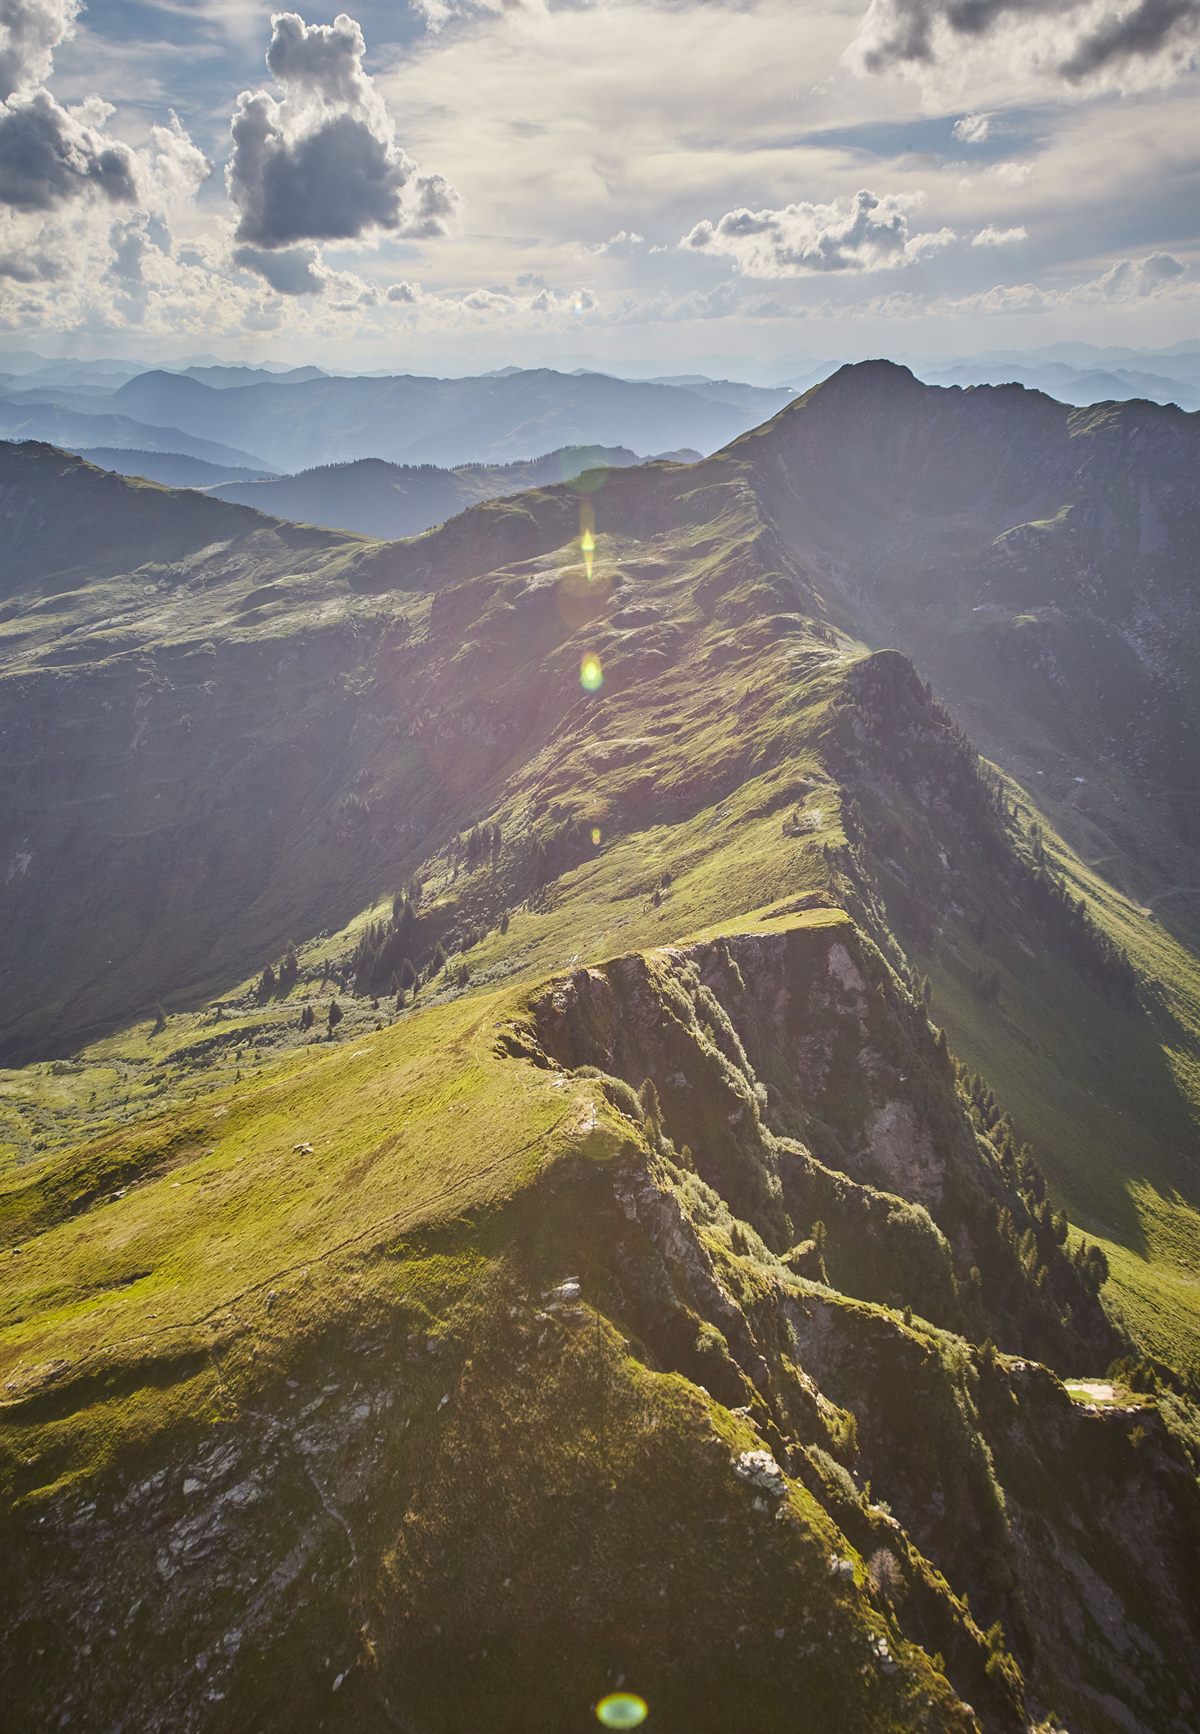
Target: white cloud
[
  {"x": 438, "y": 13},
  {"x": 553, "y": 130},
  {"x": 624, "y": 241},
  {"x": 30, "y": 31},
  {"x": 1136, "y": 279},
  {"x": 174, "y": 168},
  {"x": 972, "y": 128},
  {"x": 505, "y": 308},
  {"x": 994, "y": 237},
  {"x": 323, "y": 163},
  {"x": 866, "y": 233},
  {"x": 64, "y": 177}
]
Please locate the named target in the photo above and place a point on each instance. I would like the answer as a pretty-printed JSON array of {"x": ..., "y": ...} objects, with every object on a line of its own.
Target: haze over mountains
[
  {"x": 369, "y": 496},
  {"x": 669, "y": 1232},
  {"x": 259, "y": 419},
  {"x": 22, "y": 418},
  {"x": 302, "y": 422},
  {"x": 393, "y": 500}
]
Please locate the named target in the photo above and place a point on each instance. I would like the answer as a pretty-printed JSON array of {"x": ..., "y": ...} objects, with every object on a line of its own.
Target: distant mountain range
[
  {"x": 1070, "y": 383},
  {"x": 408, "y": 419},
  {"x": 393, "y": 500},
  {"x": 1178, "y": 362},
  {"x": 80, "y": 431},
  {"x": 220, "y": 378},
  {"x": 306, "y": 419},
  {"x": 370, "y": 497},
  {"x": 269, "y": 419}
]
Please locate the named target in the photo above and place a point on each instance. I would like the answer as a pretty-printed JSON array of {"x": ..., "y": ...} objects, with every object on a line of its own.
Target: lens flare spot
[
  {"x": 622, "y": 1710},
  {"x": 596, "y": 837},
  {"x": 591, "y": 675},
  {"x": 587, "y": 535}
]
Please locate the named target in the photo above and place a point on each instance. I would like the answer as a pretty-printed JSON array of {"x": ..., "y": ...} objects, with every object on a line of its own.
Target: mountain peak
[{"x": 875, "y": 376}]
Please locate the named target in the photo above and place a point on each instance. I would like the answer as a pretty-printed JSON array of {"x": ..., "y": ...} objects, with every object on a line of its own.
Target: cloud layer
[
  {"x": 561, "y": 137},
  {"x": 1116, "y": 42}
]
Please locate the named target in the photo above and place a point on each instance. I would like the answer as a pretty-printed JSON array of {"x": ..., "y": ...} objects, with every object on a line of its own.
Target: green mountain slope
[{"x": 631, "y": 1288}]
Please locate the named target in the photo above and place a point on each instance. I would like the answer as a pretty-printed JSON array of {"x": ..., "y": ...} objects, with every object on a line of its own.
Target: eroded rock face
[
  {"x": 780, "y": 1060},
  {"x": 904, "y": 1152}
]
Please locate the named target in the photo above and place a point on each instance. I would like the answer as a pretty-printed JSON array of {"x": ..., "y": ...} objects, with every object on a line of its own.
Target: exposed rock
[{"x": 761, "y": 1470}]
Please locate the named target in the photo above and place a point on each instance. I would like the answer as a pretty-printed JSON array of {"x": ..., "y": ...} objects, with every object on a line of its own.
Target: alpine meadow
[{"x": 600, "y": 867}]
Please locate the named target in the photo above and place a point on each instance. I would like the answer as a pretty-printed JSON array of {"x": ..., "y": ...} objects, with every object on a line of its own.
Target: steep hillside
[
  {"x": 132, "y": 526},
  {"x": 596, "y": 1168},
  {"x": 1038, "y": 562},
  {"x": 172, "y": 469}
]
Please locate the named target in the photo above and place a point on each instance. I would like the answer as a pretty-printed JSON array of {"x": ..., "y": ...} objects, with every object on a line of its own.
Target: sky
[{"x": 735, "y": 184}]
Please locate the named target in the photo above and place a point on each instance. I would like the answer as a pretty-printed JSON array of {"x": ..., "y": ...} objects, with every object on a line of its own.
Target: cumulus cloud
[
  {"x": 1116, "y": 43},
  {"x": 624, "y": 241},
  {"x": 30, "y": 31},
  {"x": 866, "y": 233},
  {"x": 994, "y": 237},
  {"x": 52, "y": 156},
  {"x": 408, "y": 294},
  {"x": 63, "y": 180},
  {"x": 322, "y": 163},
  {"x": 1135, "y": 279},
  {"x": 507, "y": 306},
  {"x": 972, "y": 128},
  {"x": 84, "y": 217},
  {"x": 49, "y": 154},
  {"x": 576, "y": 301},
  {"x": 175, "y": 167}
]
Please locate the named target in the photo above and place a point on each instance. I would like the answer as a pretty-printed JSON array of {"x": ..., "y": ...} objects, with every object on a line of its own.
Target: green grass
[
  {"x": 409, "y": 1127},
  {"x": 1110, "y": 1100}
]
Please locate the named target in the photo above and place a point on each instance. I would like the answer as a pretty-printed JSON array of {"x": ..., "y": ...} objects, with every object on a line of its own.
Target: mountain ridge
[{"x": 719, "y": 1040}]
